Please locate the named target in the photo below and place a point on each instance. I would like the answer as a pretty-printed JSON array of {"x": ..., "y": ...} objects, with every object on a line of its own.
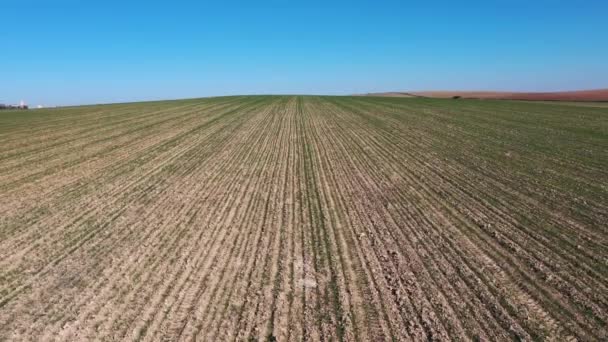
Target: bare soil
[{"x": 581, "y": 95}]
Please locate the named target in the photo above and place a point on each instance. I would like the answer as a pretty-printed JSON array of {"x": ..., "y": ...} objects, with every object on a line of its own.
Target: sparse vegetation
[{"x": 319, "y": 218}]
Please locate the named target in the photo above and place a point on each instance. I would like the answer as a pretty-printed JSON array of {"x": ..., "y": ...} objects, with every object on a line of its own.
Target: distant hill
[
  {"x": 580, "y": 95},
  {"x": 390, "y": 94}
]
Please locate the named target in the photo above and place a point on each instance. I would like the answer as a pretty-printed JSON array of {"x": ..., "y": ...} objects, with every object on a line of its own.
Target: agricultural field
[{"x": 305, "y": 218}]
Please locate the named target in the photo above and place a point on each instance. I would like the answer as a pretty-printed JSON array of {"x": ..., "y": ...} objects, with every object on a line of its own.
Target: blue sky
[{"x": 77, "y": 52}]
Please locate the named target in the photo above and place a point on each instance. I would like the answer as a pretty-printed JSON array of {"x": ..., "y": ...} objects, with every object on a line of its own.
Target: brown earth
[
  {"x": 304, "y": 218},
  {"x": 582, "y": 95}
]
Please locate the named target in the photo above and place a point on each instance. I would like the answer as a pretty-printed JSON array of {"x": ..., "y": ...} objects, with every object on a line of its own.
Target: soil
[{"x": 305, "y": 218}]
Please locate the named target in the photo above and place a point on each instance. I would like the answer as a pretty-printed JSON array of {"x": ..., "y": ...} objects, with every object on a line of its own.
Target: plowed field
[{"x": 304, "y": 218}]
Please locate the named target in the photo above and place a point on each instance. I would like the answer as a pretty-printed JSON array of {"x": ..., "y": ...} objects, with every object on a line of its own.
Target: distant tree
[{"x": 456, "y": 97}]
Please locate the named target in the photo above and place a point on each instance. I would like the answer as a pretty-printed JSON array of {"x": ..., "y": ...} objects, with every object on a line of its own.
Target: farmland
[{"x": 304, "y": 218}]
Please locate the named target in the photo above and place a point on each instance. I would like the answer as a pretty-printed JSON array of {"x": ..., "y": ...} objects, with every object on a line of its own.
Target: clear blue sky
[{"x": 75, "y": 52}]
